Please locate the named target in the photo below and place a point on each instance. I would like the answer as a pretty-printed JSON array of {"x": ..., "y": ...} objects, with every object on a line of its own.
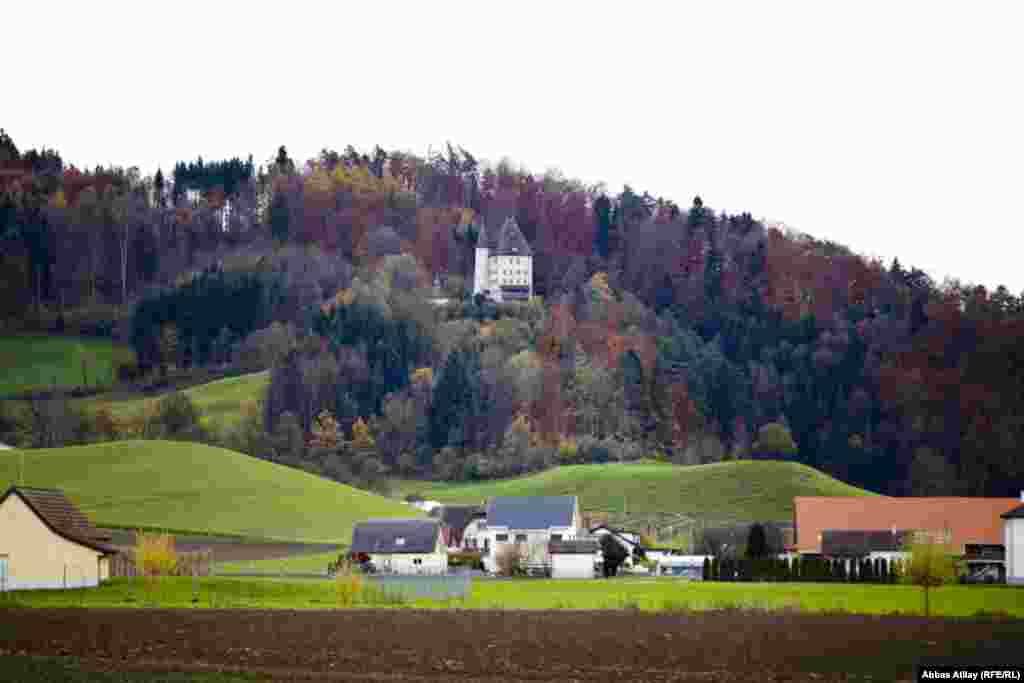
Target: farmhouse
[
  {"x": 46, "y": 542},
  {"x": 532, "y": 521},
  {"x": 401, "y": 546},
  {"x": 574, "y": 559},
  {"x": 1013, "y": 538},
  {"x": 503, "y": 268},
  {"x": 878, "y": 526}
]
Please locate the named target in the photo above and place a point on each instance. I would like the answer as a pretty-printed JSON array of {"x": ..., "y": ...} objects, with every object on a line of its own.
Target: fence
[
  {"x": 436, "y": 586},
  {"x": 198, "y": 563}
]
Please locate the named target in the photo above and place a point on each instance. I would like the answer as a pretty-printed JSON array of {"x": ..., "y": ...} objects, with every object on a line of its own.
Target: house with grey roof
[
  {"x": 503, "y": 268},
  {"x": 401, "y": 545},
  {"x": 530, "y": 523}
]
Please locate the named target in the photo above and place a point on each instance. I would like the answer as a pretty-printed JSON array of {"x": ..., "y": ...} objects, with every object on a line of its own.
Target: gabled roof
[
  {"x": 530, "y": 512},
  {"x": 968, "y": 520},
  {"x": 396, "y": 535},
  {"x": 61, "y": 516},
  {"x": 511, "y": 241},
  {"x": 458, "y": 517}
]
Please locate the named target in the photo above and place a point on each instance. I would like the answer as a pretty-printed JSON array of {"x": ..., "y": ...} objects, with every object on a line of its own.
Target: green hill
[
  {"x": 219, "y": 402},
  {"x": 30, "y": 362},
  {"x": 738, "y": 490},
  {"x": 191, "y": 487}
]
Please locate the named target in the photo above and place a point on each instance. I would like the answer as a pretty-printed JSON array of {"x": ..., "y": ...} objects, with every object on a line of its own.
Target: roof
[
  {"x": 577, "y": 547},
  {"x": 1015, "y": 513},
  {"x": 968, "y": 520},
  {"x": 383, "y": 535},
  {"x": 61, "y": 516},
  {"x": 511, "y": 240},
  {"x": 483, "y": 239},
  {"x": 530, "y": 512},
  {"x": 617, "y": 533},
  {"x": 862, "y": 542},
  {"x": 459, "y": 516}
]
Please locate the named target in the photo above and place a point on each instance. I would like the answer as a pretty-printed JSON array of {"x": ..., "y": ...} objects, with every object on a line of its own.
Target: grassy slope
[
  {"x": 189, "y": 486},
  {"x": 742, "y": 490},
  {"x": 37, "y": 361},
  {"x": 219, "y": 402}
]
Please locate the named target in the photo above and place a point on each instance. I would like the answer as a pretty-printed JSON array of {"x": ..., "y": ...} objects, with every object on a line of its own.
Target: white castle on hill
[{"x": 504, "y": 266}]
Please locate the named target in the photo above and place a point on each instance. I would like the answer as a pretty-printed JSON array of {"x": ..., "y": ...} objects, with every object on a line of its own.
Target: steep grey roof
[
  {"x": 1015, "y": 513},
  {"x": 577, "y": 547},
  {"x": 381, "y": 535},
  {"x": 511, "y": 241},
  {"x": 851, "y": 542},
  {"x": 530, "y": 512}
]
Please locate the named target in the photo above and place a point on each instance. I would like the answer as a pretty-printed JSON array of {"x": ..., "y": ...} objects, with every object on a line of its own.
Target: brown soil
[
  {"x": 485, "y": 645},
  {"x": 226, "y": 549}
]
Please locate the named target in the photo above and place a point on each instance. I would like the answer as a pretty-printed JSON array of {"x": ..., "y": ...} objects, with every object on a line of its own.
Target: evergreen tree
[
  {"x": 603, "y": 221},
  {"x": 757, "y": 542},
  {"x": 706, "y": 570},
  {"x": 280, "y": 218}
]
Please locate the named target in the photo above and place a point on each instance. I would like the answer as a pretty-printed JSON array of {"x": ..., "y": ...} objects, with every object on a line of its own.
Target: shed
[
  {"x": 573, "y": 559},
  {"x": 47, "y": 542},
  {"x": 401, "y": 546}
]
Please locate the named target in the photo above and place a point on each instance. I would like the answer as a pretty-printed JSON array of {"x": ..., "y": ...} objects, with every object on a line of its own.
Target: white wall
[
  {"x": 1013, "y": 539},
  {"x": 405, "y": 563},
  {"x": 572, "y": 566}
]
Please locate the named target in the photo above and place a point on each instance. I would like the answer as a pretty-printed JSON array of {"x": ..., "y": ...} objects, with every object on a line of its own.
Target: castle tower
[{"x": 480, "y": 272}]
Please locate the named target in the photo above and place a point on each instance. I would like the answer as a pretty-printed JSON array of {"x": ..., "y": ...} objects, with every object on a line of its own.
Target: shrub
[
  {"x": 155, "y": 555},
  {"x": 177, "y": 416},
  {"x": 347, "y": 583},
  {"x": 509, "y": 560}
]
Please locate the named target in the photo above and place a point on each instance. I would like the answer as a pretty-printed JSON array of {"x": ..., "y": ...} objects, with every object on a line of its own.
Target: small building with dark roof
[
  {"x": 47, "y": 542},
  {"x": 401, "y": 546},
  {"x": 574, "y": 559}
]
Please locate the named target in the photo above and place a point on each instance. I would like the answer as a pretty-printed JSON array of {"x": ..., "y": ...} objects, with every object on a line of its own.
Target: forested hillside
[{"x": 675, "y": 332}]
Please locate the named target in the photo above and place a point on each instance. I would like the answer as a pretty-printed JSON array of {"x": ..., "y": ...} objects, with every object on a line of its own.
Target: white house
[
  {"x": 503, "y": 269},
  {"x": 401, "y": 546},
  {"x": 530, "y": 521},
  {"x": 46, "y": 542},
  {"x": 1013, "y": 540},
  {"x": 574, "y": 559}
]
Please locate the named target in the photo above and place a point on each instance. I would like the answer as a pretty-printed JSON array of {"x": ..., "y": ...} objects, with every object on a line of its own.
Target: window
[
  {"x": 400, "y": 540},
  {"x": 520, "y": 538},
  {"x": 418, "y": 560},
  {"x": 556, "y": 537},
  {"x": 3, "y": 572},
  {"x": 501, "y": 537}
]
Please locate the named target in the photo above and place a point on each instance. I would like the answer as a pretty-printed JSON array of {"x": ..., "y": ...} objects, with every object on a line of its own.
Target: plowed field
[{"x": 506, "y": 645}]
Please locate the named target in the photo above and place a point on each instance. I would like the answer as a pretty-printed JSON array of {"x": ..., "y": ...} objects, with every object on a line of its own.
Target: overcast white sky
[{"x": 892, "y": 127}]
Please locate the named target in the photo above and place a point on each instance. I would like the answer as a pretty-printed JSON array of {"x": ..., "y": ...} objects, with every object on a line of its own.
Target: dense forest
[{"x": 679, "y": 333}]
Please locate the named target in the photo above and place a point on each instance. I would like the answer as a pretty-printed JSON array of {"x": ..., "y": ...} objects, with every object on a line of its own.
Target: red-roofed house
[{"x": 878, "y": 525}]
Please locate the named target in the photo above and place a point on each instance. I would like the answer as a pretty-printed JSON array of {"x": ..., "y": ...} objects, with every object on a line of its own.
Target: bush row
[{"x": 863, "y": 570}]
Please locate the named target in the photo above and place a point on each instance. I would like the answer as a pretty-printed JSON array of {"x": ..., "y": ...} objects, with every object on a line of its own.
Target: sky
[{"x": 894, "y": 128}]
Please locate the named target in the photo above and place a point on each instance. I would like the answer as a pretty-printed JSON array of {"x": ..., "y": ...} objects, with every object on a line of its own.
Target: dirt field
[
  {"x": 226, "y": 549},
  {"x": 555, "y": 645}
]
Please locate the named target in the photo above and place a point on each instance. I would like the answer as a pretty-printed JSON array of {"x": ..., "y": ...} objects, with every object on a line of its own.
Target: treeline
[{"x": 681, "y": 332}]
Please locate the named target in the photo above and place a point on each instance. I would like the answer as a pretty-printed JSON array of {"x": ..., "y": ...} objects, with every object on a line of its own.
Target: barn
[{"x": 46, "y": 542}]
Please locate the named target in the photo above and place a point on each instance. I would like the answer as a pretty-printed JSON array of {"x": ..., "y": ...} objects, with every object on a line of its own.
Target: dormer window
[{"x": 400, "y": 540}]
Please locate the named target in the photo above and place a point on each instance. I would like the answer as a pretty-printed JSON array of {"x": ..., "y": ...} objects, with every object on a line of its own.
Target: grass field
[
  {"x": 219, "y": 402},
  {"x": 639, "y": 593},
  {"x": 29, "y": 362},
  {"x": 200, "y": 489},
  {"x": 738, "y": 490},
  {"x": 309, "y": 562}
]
